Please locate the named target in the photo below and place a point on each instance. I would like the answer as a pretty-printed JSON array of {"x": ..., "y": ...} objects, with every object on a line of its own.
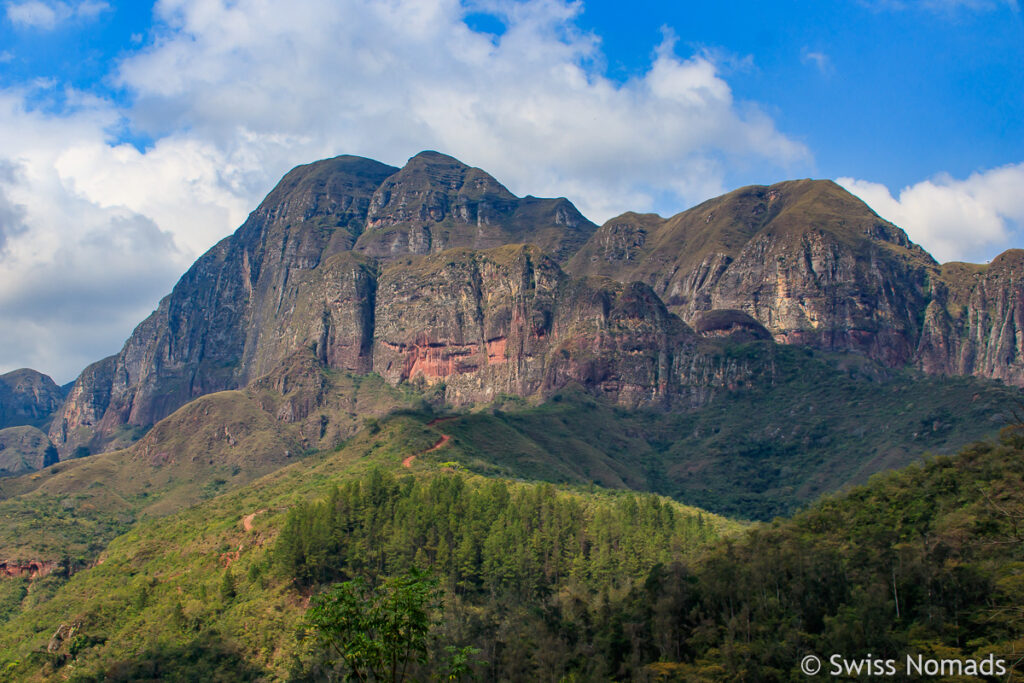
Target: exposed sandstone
[
  {"x": 414, "y": 273},
  {"x": 437, "y": 203},
  {"x": 510, "y": 321},
  {"x": 805, "y": 259}
]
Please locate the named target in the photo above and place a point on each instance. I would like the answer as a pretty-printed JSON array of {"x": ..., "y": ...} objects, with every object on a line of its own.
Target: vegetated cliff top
[
  {"x": 436, "y": 202},
  {"x": 646, "y": 245}
]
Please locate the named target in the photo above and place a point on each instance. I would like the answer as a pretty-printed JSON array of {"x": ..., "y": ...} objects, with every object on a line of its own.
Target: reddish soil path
[
  {"x": 247, "y": 520},
  {"x": 445, "y": 438}
]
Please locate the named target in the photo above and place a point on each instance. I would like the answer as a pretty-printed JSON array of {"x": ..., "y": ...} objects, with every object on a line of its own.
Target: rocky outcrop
[
  {"x": 974, "y": 324},
  {"x": 729, "y": 323},
  {"x": 222, "y": 323},
  {"x": 27, "y": 397},
  {"x": 289, "y": 279},
  {"x": 24, "y": 449},
  {"x": 27, "y": 569},
  {"x": 805, "y": 259},
  {"x": 436, "y": 203},
  {"x": 508, "y": 320}
]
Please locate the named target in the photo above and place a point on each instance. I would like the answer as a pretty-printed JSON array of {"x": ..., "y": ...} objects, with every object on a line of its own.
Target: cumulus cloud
[
  {"x": 46, "y": 16},
  {"x": 956, "y": 220},
  {"x": 87, "y": 253},
  {"x": 233, "y": 93},
  {"x": 318, "y": 77}
]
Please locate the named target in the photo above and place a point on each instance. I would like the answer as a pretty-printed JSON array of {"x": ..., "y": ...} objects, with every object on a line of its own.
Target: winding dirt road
[{"x": 445, "y": 438}]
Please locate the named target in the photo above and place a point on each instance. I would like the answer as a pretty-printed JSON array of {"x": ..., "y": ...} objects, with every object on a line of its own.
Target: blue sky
[{"x": 135, "y": 135}]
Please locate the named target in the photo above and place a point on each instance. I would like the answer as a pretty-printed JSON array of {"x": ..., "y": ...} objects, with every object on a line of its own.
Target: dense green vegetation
[
  {"x": 546, "y": 582},
  {"x": 198, "y": 587},
  {"x": 928, "y": 560},
  {"x": 925, "y": 561}
]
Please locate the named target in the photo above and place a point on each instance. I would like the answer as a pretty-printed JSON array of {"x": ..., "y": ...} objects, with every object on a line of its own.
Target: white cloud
[
  {"x": 956, "y": 220},
  {"x": 818, "y": 59},
  {"x": 86, "y": 253},
  {"x": 46, "y": 16},
  {"x": 233, "y": 93},
  {"x": 389, "y": 79}
]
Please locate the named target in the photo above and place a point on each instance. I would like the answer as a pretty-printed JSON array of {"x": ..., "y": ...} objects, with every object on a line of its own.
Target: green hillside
[
  {"x": 924, "y": 563},
  {"x": 543, "y": 581},
  {"x": 68, "y": 512},
  {"x": 158, "y": 604}
]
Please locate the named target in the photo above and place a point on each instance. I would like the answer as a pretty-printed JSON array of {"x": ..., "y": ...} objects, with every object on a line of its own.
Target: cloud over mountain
[{"x": 955, "y": 219}]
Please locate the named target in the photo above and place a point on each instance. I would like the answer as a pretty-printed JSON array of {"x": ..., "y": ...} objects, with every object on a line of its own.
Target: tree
[{"x": 376, "y": 632}]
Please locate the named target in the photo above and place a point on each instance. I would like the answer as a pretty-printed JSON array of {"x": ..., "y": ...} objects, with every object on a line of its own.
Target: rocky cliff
[
  {"x": 301, "y": 272},
  {"x": 815, "y": 266},
  {"x": 436, "y": 203},
  {"x": 27, "y": 397},
  {"x": 24, "y": 449},
  {"x": 221, "y": 324},
  {"x": 508, "y": 320},
  {"x": 974, "y": 324},
  {"x": 419, "y": 274},
  {"x": 805, "y": 259}
]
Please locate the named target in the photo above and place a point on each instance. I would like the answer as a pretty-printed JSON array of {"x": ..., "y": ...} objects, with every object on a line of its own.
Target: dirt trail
[
  {"x": 247, "y": 520},
  {"x": 445, "y": 438}
]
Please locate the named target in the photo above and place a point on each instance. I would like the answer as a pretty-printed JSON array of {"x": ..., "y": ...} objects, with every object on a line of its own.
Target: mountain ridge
[{"x": 803, "y": 261}]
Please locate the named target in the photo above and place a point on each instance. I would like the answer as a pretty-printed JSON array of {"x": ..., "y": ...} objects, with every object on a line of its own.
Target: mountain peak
[
  {"x": 436, "y": 202},
  {"x": 27, "y": 397},
  {"x": 433, "y": 156}
]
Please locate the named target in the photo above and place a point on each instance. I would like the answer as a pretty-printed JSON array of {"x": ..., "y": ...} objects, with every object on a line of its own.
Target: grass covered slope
[{"x": 218, "y": 589}]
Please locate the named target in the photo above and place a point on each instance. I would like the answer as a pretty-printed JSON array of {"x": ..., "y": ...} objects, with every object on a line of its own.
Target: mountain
[
  {"x": 436, "y": 203},
  {"x": 388, "y": 368},
  {"x": 974, "y": 324},
  {"x": 289, "y": 279},
  {"x": 420, "y": 272},
  {"x": 27, "y": 397},
  {"x": 28, "y": 400},
  {"x": 816, "y": 266},
  {"x": 24, "y": 449}
]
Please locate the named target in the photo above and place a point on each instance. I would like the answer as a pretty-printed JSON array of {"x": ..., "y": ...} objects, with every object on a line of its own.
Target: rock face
[
  {"x": 420, "y": 274},
  {"x": 974, "y": 325},
  {"x": 437, "y": 203},
  {"x": 221, "y": 325},
  {"x": 27, "y": 397},
  {"x": 508, "y": 320},
  {"x": 301, "y": 272},
  {"x": 805, "y": 259},
  {"x": 24, "y": 449}
]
